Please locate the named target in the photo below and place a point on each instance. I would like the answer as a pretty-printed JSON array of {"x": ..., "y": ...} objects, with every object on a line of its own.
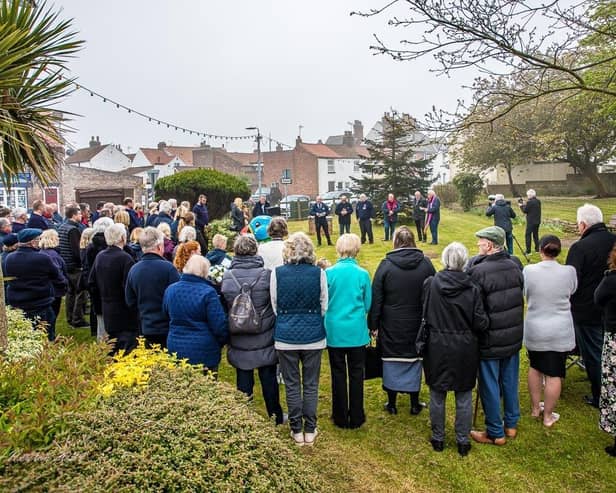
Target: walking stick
[
  {"x": 520, "y": 247},
  {"x": 476, "y": 408}
]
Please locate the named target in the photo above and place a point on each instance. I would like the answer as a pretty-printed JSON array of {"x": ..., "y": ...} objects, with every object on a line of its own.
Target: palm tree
[{"x": 35, "y": 45}]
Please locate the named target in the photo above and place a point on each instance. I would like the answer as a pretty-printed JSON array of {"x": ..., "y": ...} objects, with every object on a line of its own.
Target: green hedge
[
  {"x": 183, "y": 432},
  {"x": 220, "y": 188}
]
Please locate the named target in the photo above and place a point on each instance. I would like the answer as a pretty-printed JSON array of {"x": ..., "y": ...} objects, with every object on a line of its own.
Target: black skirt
[{"x": 550, "y": 363}]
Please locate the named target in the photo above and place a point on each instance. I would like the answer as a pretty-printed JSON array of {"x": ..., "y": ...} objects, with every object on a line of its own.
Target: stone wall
[{"x": 574, "y": 185}]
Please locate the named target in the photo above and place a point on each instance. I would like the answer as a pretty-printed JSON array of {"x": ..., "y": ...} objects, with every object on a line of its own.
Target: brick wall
[{"x": 303, "y": 166}]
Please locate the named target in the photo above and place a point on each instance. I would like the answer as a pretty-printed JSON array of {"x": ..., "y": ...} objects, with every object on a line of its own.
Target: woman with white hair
[
  {"x": 298, "y": 291},
  {"x": 350, "y": 295},
  {"x": 454, "y": 320},
  {"x": 197, "y": 321},
  {"x": 107, "y": 280}
]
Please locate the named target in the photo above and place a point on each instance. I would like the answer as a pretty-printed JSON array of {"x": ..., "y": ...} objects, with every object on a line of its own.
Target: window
[
  {"x": 16, "y": 198},
  {"x": 331, "y": 186},
  {"x": 356, "y": 167},
  {"x": 331, "y": 166},
  {"x": 339, "y": 186}
]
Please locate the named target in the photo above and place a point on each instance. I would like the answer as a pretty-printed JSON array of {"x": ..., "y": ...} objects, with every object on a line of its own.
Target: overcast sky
[{"x": 219, "y": 66}]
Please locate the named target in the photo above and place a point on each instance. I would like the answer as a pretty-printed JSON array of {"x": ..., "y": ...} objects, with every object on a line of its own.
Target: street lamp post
[{"x": 259, "y": 164}]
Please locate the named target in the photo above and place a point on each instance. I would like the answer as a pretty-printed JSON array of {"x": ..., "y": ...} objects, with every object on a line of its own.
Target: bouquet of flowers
[{"x": 215, "y": 273}]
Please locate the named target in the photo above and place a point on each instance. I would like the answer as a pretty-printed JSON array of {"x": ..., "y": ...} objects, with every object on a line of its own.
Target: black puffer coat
[
  {"x": 501, "y": 282},
  {"x": 396, "y": 309},
  {"x": 250, "y": 351},
  {"x": 605, "y": 297},
  {"x": 455, "y": 319}
]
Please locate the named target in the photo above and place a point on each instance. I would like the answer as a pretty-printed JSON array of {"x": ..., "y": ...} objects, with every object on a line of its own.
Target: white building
[{"x": 106, "y": 157}]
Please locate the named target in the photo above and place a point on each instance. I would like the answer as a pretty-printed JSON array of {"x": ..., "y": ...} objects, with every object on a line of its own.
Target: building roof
[
  {"x": 84, "y": 155},
  {"x": 319, "y": 150},
  {"x": 156, "y": 156},
  {"x": 350, "y": 152},
  {"x": 243, "y": 158},
  {"x": 168, "y": 153},
  {"x": 135, "y": 170},
  {"x": 334, "y": 140},
  {"x": 183, "y": 152}
]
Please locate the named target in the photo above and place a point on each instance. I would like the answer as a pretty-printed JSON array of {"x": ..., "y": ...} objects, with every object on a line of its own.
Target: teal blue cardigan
[{"x": 350, "y": 295}]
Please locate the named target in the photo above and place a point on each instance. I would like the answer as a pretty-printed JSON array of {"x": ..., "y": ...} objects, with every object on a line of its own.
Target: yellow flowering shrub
[{"x": 134, "y": 369}]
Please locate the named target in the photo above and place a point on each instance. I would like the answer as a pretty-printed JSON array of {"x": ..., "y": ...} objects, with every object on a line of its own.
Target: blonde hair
[
  {"x": 220, "y": 241},
  {"x": 197, "y": 266},
  {"x": 184, "y": 252},
  {"x": 134, "y": 236},
  {"x": 86, "y": 237},
  {"x": 238, "y": 201},
  {"x": 49, "y": 239},
  {"x": 298, "y": 249},
  {"x": 122, "y": 217},
  {"x": 186, "y": 219},
  {"x": 348, "y": 245},
  {"x": 179, "y": 213},
  {"x": 165, "y": 229}
]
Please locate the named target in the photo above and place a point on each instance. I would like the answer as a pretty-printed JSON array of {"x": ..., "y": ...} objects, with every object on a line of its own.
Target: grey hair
[
  {"x": 298, "y": 249},
  {"x": 589, "y": 214},
  {"x": 101, "y": 224},
  {"x": 49, "y": 239},
  {"x": 530, "y": 193},
  {"x": 173, "y": 203},
  {"x": 455, "y": 256},
  {"x": 4, "y": 222},
  {"x": 245, "y": 245},
  {"x": 19, "y": 212},
  {"x": 499, "y": 196},
  {"x": 197, "y": 265},
  {"x": 164, "y": 206},
  {"x": 150, "y": 239},
  {"x": 115, "y": 234},
  {"x": 188, "y": 233}
]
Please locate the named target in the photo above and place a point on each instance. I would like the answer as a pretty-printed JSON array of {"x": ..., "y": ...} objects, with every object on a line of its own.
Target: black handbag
[
  {"x": 423, "y": 333},
  {"x": 374, "y": 363}
]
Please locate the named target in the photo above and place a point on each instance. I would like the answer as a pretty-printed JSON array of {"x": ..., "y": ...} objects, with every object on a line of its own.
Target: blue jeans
[
  {"x": 434, "y": 232},
  {"x": 500, "y": 377},
  {"x": 46, "y": 315},
  {"x": 269, "y": 386},
  {"x": 509, "y": 241},
  {"x": 589, "y": 339},
  {"x": 390, "y": 227}
]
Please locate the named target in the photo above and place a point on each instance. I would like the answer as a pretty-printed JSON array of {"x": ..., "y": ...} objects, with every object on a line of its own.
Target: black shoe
[
  {"x": 329, "y": 243},
  {"x": 80, "y": 323},
  {"x": 318, "y": 244},
  {"x": 437, "y": 445},
  {"x": 464, "y": 448},
  {"x": 590, "y": 401},
  {"x": 611, "y": 450},
  {"x": 390, "y": 409},
  {"x": 415, "y": 410},
  {"x": 527, "y": 252}
]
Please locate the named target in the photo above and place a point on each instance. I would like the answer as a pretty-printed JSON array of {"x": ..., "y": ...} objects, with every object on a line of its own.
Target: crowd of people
[{"x": 276, "y": 307}]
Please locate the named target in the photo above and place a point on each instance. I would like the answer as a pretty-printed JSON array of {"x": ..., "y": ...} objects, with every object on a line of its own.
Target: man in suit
[
  {"x": 261, "y": 207},
  {"x": 319, "y": 211}
]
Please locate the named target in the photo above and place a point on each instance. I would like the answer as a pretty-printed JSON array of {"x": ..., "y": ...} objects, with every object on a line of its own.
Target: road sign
[{"x": 286, "y": 181}]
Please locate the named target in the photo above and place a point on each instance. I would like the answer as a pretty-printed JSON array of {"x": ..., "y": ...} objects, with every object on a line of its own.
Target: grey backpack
[{"x": 243, "y": 316}]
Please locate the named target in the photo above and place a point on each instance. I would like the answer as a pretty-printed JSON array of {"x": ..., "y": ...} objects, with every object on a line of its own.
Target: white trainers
[
  {"x": 309, "y": 438},
  {"x": 298, "y": 438}
]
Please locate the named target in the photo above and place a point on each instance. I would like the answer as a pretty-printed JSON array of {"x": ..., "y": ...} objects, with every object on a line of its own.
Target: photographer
[
  {"x": 503, "y": 214},
  {"x": 532, "y": 209}
]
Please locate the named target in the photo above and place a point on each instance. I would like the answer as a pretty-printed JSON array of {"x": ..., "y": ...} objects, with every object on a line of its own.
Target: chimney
[
  {"x": 298, "y": 141},
  {"x": 358, "y": 131},
  {"x": 94, "y": 143},
  {"x": 161, "y": 145},
  {"x": 347, "y": 139},
  {"x": 278, "y": 147}
]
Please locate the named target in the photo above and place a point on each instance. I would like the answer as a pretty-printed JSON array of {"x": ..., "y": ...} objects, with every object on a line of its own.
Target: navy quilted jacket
[
  {"x": 298, "y": 305},
  {"x": 197, "y": 322}
]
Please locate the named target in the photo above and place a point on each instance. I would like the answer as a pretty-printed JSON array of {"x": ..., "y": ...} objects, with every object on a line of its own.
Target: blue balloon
[{"x": 259, "y": 226}]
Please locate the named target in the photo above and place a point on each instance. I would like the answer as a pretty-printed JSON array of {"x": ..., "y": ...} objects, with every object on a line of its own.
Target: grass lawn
[{"x": 392, "y": 453}]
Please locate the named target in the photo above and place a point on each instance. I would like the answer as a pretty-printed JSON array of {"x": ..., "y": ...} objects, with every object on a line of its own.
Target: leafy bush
[
  {"x": 24, "y": 341},
  {"x": 36, "y": 399},
  {"x": 184, "y": 432},
  {"x": 468, "y": 185},
  {"x": 222, "y": 227},
  {"x": 220, "y": 188},
  {"x": 447, "y": 193}
]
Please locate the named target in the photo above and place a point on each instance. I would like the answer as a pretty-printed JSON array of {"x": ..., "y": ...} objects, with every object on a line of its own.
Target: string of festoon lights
[{"x": 173, "y": 126}]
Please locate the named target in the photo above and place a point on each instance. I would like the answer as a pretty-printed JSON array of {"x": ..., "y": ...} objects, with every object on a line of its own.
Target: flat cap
[
  {"x": 28, "y": 234},
  {"x": 495, "y": 234}
]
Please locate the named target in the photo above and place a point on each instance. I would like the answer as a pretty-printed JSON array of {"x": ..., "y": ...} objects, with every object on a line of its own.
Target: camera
[
  {"x": 491, "y": 199},
  {"x": 520, "y": 201}
]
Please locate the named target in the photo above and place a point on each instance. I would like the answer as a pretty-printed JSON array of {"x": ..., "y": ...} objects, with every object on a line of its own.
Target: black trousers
[
  {"x": 365, "y": 226},
  {"x": 347, "y": 393},
  {"x": 245, "y": 380},
  {"x": 532, "y": 229},
  {"x": 160, "y": 339},
  {"x": 322, "y": 223},
  {"x": 420, "y": 224}
]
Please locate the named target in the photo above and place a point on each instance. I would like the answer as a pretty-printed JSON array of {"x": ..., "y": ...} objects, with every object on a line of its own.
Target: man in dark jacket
[
  {"x": 501, "y": 282},
  {"x": 532, "y": 209},
  {"x": 365, "y": 212},
  {"x": 202, "y": 217},
  {"x": 37, "y": 221},
  {"x": 261, "y": 207},
  {"x": 433, "y": 217},
  {"x": 420, "y": 206},
  {"x": 70, "y": 236},
  {"x": 146, "y": 284},
  {"x": 503, "y": 214},
  {"x": 108, "y": 280},
  {"x": 319, "y": 211},
  {"x": 589, "y": 256},
  {"x": 35, "y": 274},
  {"x": 344, "y": 211},
  {"x": 132, "y": 214}
]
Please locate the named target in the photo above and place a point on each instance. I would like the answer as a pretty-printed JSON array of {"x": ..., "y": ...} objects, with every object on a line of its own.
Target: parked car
[
  {"x": 289, "y": 209},
  {"x": 332, "y": 198}
]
